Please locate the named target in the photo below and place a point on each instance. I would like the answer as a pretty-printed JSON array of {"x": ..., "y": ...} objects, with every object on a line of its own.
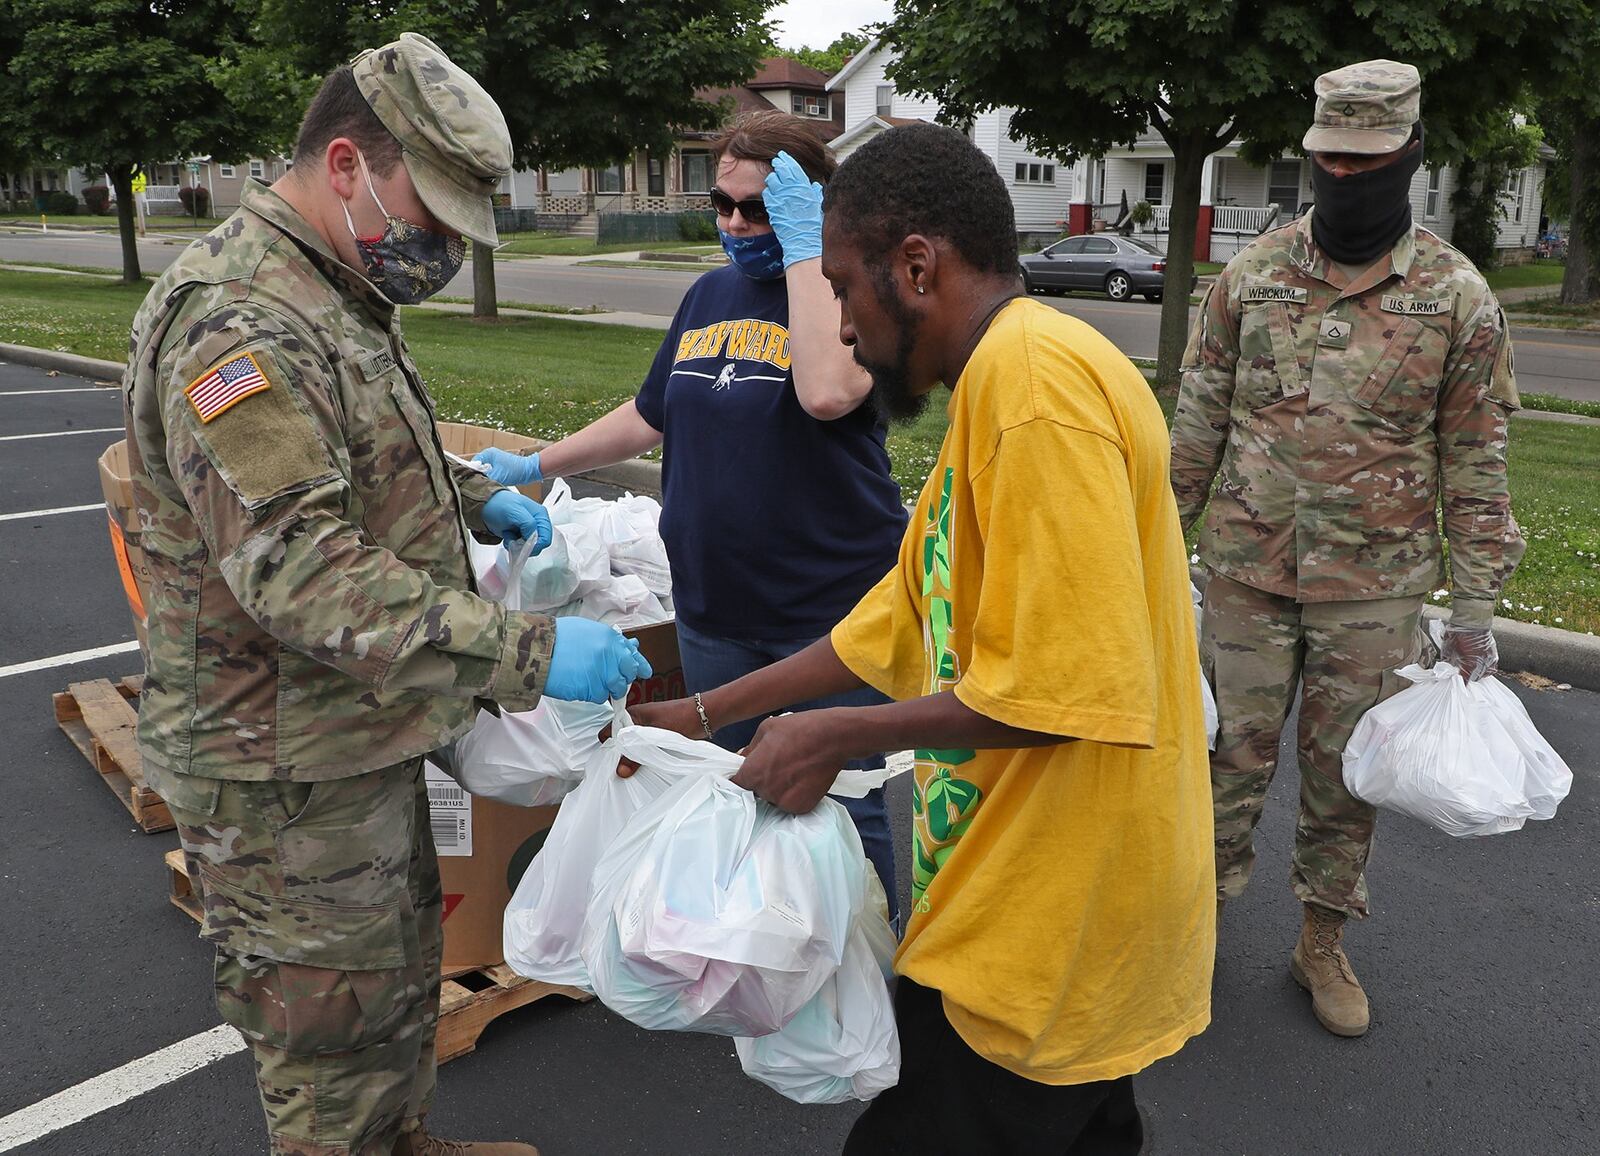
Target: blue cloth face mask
[
  {"x": 407, "y": 262},
  {"x": 760, "y": 257}
]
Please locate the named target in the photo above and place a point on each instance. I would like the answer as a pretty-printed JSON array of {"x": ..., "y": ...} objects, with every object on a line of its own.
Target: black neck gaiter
[{"x": 1357, "y": 218}]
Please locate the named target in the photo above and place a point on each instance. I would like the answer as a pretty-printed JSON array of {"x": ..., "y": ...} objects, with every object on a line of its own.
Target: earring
[{"x": 921, "y": 289}]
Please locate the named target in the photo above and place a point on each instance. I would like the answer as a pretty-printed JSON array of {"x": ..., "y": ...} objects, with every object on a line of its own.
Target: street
[
  {"x": 1479, "y": 960},
  {"x": 1562, "y": 362}
]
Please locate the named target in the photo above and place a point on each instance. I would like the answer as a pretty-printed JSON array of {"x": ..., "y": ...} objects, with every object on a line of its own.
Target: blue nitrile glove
[
  {"x": 592, "y": 662},
  {"x": 794, "y": 206},
  {"x": 516, "y": 518},
  {"x": 510, "y": 469}
]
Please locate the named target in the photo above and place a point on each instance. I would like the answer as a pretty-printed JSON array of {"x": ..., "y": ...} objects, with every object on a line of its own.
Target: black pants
[{"x": 952, "y": 1100}]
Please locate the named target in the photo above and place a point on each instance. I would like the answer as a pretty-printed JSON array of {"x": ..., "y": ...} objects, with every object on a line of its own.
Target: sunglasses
[{"x": 754, "y": 210}]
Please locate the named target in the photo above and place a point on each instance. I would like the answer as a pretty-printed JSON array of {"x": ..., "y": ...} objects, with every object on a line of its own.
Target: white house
[
  {"x": 1237, "y": 200},
  {"x": 1042, "y": 188}
]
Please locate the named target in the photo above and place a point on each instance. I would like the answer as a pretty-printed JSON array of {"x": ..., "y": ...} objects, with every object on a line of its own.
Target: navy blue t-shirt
[{"x": 775, "y": 523}]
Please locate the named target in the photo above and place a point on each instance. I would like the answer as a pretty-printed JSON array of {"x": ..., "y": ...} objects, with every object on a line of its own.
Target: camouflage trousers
[
  {"x": 323, "y": 901},
  {"x": 1256, "y": 649}
]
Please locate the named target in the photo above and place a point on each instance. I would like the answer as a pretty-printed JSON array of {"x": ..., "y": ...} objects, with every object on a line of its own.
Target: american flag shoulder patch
[{"x": 224, "y": 386}]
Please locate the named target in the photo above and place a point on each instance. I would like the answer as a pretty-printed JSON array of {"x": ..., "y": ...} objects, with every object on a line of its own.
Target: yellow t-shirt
[{"x": 1063, "y": 897}]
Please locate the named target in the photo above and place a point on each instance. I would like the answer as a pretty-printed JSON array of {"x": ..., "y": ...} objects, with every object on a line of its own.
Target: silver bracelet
[{"x": 700, "y": 709}]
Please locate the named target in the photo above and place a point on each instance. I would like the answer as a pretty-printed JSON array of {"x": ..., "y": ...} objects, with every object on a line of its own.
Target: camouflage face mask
[{"x": 407, "y": 262}]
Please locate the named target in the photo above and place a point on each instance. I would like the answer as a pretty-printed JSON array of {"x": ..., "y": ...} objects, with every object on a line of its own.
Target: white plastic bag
[
  {"x": 1434, "y": 753},
  {"x": 529, "y": 758},
  {"x": 1208, "y": 700},
  {"x": 545, "y": 915},
  {"x": 630, "y": 527},
  {"x": 1546, "y": 776},
  {"x": 843, "y": 1045},
  {"x": 621, "y": 600},
  {"x": 714, "y": 911}
]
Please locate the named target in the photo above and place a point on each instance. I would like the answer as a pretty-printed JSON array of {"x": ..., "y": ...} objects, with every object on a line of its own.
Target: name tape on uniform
[
  {"x": 1252, "y": 293},
  {"x": 1413, "y": 306},
  {"x": 376, "y": 364}
]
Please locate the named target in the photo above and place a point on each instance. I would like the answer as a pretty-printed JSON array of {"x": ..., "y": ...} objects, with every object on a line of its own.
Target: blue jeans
[{"x": 710, "y": 661}]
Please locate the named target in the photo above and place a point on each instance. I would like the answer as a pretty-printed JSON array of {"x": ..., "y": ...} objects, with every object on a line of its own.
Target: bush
[
  {"x": 196, "y": 200},
  {"x": 697, "y": 227},
  {"x": 98, "y": 198},
  {"x": 56, "y": 204}
]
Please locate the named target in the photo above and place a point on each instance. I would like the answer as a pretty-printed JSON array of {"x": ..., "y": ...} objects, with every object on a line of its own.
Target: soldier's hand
[
  {"x": 592, "y": 662},
  {"x": 1473, "y": 652},
  {"x": 510, "y": 469},
  {"x": 517, "y": 518}
]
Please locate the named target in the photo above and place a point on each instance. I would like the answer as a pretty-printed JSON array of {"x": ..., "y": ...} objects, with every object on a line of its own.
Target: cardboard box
[
  {"x": 484, "y": 846},
  {"x": 123, "y": 520},
  {"x": 466, "y": 440}
]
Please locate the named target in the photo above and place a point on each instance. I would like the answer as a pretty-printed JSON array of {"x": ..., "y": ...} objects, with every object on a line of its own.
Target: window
[
  {"x": 1155, "y": 182},
  {"x": 1283, "y": 186},
  {"x": 803, "y": 105},
  {"x": 1430, "y": 208},
  {"x": 258, "y": 169},
  {"x": 656, "y": 176},
  {"x": 1068, "y": 247},
  {"x": 697, "y": 172},
  {"x": 609, "y": 180},
  {"x": 1099, "y": 245},
  {"x": 885, "y": 106},
  {"x": 1035, "y": 173},
  {"x": 1516, "y": 213},
  {"x": 226, "y": 172}
]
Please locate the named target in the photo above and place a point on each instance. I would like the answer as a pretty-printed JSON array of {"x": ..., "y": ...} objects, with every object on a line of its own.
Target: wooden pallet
[
  {"x": 468, "y": 1000},
  {"x": 100, "y": 720}
]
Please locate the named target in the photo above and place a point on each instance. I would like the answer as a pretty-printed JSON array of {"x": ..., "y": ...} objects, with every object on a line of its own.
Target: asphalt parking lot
[{"x": 1480, "y": 961}]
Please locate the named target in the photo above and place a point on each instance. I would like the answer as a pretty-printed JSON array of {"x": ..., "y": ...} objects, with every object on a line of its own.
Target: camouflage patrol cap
[
  {"x": 1365, "y": 108},
  {"x": 453, "y": 137}
]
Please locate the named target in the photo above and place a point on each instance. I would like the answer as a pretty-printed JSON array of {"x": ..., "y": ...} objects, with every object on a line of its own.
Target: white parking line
[
  {"x": 47, "y": 513},
  {"x": 69, "y": 659},
  {"x": 118, "y": 1086},
  {"x": 61, "y": 433},
  {"x": 75, "y": 389}
]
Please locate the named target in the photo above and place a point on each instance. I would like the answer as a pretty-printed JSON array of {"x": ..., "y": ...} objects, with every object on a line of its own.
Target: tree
[
  {"x": 1569, "y": 111},
  {"x": 581, "y": 82},
  {"x": 1479, "y": 200},
  {"x": 830, "y": 59},
  {"x": 109, "y": 84},
  {"x": 1084, "y": 78}
]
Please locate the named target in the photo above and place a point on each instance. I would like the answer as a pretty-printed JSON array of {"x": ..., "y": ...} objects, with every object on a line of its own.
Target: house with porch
[
  {"x": 677, "y": 180},
  {"x": 1239, "y": 201},
  {"x": 1042, "y": 188}
]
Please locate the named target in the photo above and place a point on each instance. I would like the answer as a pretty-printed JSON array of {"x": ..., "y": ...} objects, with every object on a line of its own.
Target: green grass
[
  {"x": 548, "y": 377},
  {"x": 1207, "y": 268},
  {"x": 1533, "y": 274},
  {"x": 1550, "y": 307},
  {"x": 82, "y": 315},
  {"x": 1550, "y": 403},
  {"x": 91, "y": 270},
  {"x": 562, "y": 245}
]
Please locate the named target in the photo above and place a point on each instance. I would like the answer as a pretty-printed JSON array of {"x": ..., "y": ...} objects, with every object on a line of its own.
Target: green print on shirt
[{"x": 942, "y": 804}]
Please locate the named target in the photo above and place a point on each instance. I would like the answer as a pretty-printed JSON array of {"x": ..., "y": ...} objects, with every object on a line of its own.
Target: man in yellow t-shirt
[{"x": 1038, "y": 640}]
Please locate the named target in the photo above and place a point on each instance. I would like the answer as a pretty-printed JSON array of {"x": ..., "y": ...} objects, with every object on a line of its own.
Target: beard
[{"x": 893, "y": 395}]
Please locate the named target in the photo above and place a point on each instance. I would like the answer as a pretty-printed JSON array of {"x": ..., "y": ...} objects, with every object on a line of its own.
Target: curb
[
  {"x": 90, "y": 367},
  {"x": 1559, "y": 655},
  {"x": 640, "y": 476}
]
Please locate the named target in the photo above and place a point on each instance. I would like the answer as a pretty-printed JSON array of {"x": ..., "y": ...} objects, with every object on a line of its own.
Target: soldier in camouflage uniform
[
  {"x": 1347, "y": 386},
  {"x": 314, "y": 626}
]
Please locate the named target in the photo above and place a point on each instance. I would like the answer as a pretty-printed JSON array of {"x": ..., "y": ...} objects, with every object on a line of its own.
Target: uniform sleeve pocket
[
  {"x": 290, "y": 929},
  {"x": 1403, "y": 384}
]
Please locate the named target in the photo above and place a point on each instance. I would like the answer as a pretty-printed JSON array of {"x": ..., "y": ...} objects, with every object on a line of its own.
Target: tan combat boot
[
  {"x": 419, "y": 1143},
  {"x": 1320, "y": 966}
]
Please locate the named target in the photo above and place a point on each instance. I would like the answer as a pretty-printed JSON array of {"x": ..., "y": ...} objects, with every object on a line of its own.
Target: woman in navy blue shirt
[{"x": 778, "y": 508}]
